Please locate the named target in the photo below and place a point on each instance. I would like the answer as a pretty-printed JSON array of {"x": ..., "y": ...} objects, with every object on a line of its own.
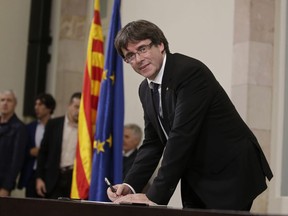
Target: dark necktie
[
  {"x": 155, "y": 95},
  {"x": 156, "y": 102}
]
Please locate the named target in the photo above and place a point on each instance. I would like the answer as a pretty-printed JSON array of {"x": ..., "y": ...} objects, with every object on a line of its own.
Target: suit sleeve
[{"x": 20, "y": 142}]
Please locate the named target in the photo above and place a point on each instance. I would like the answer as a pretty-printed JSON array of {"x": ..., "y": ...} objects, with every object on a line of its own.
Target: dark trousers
[
  {"x": 31, "y": 187},
  {"x": 63, "y": 185}
]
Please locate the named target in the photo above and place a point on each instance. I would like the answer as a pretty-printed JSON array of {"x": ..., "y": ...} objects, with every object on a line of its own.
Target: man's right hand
[
  {"x": 122, "y": 190},
  {"x": 40, "y": 187},
  {"x": 4, "y": 192},
  {"x": 34, "y": 151}
]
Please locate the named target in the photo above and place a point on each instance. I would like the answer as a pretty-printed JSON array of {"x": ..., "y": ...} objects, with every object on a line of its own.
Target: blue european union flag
[{"x": 107, "y": 154}]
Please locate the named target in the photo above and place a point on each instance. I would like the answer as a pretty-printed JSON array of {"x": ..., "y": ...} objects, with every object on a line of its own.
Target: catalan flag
[
  {"x": 107, "y": 156},
  {"x": 88, "y": 108}
]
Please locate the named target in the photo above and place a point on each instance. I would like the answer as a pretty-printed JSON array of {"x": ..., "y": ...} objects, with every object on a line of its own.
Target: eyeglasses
[{"x": 130, "y": 57}]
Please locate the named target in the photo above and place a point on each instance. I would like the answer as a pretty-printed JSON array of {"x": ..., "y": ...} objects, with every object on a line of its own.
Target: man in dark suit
[
  {"x": 57, "y": 153},
  {"x": 44, "y": 107},
  {"x": 131, "y": 141},
  {"x": 191, "y": 122},
  {"x": 13, "y": 141}
]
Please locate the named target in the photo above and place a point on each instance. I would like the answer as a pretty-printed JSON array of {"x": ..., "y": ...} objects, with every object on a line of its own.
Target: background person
[
  {"x": 131, "y": 141},
  {"x": 57, "y": 153},
  {"x": 13, "y": 140},
  {"x": 44, "y": 107}
]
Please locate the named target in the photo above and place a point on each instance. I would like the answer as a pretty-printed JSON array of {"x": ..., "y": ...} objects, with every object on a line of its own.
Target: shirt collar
[
  {"x": 127, "y": 154},
  {"x": 39, "y": 122},
  {"x": 158, "y": 78},
  {"x": 67, "y": 122}
]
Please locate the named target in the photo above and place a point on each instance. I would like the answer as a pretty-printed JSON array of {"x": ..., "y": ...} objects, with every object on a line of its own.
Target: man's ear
[{"x": 162, "y": 48}]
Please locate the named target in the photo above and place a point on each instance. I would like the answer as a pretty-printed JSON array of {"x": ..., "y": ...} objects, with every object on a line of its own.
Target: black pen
[{"x": 109, "y": 184}]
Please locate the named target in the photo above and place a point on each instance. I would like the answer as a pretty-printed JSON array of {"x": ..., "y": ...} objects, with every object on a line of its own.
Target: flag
[
  {"x": 107, "y": 156},
  {"x": 88, "y": 108}
]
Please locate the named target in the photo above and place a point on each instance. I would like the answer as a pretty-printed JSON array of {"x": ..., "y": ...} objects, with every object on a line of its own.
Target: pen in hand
[{"x": 109, "y": 184}]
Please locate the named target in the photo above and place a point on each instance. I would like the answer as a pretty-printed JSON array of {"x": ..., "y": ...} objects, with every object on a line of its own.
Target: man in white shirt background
[{"x": 57, "y": 153}]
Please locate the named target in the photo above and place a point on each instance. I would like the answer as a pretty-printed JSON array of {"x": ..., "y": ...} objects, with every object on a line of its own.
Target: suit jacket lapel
[
  {"x": 167, "y": 90},
  {"x": 151, "y": 111}
]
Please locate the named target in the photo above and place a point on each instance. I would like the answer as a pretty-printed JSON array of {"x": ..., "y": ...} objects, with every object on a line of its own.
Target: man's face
[
  {"x": 147, "y": 64},
  {"x": 7, "y": 103},
  {"x": 130, "y": 140},
  {"x": 73, "y": 110},
  {"x": 41, "y": 110}
]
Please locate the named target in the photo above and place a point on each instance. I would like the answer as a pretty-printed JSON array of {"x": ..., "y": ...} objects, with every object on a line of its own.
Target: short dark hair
[
  {"x": 75, "y": 95},
  {"x": 47, "y": 100},
  {"x": 139, "y": 30}
]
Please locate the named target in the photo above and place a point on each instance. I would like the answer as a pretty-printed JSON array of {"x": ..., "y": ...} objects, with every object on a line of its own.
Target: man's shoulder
[
  {"x": 144, "y": 83},
  {"x": 59, "y": 118},
  {"x": 31, "y": 127},
  {"x": 185, "y": 66},
  {"x": 32, "y": 124},
  {"x": 180, "y": 58},
  {"x": 56, "y": 120},
  {"x": 16, "y": 122}
]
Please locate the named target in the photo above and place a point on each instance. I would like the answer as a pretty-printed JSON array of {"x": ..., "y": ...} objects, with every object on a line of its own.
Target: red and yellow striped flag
[{"x": 88, "y": 108}]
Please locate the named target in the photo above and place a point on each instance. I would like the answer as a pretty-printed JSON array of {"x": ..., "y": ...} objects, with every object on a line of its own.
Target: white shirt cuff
[{"x": 131, "y": 188}]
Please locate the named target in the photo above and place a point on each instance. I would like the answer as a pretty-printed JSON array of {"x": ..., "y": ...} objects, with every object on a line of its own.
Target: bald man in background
[{"x": 13, "y": 140}]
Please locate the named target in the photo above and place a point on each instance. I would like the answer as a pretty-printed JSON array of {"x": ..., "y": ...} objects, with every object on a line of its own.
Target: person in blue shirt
[{"x": 44, "y": 107}]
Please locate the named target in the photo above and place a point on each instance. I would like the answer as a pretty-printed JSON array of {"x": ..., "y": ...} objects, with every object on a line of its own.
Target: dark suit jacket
[
  {"x": 13, "y": 141},
  {"x": 48, "y": 161},
  {"x": 128, "y": 162},
  {"x": 209, "y": 146},
  {"x": 27, "y": 169}
]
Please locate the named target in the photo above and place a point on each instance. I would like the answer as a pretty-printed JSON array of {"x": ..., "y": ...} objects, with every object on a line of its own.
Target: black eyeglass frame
[{"x": 131, "y": 56}]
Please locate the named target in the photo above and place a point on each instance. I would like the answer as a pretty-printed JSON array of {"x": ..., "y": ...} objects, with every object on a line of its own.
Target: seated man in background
[
  {"x": 57, "y": 153},
  {"x": 132, "y": 139},
  {"x": 44, "y": 108},
  {"x": 13, "y": 140}
]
